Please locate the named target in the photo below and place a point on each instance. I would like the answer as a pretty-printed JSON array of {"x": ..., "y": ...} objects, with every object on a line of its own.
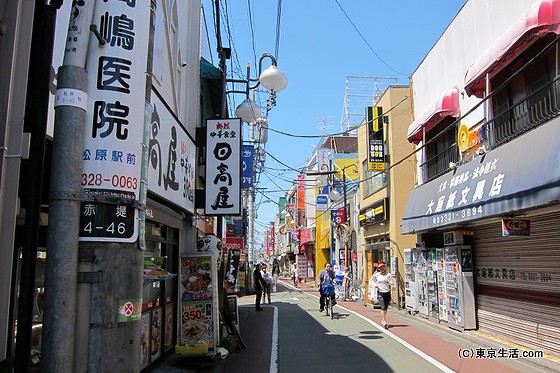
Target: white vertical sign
[
  {"x": 223, "y": 167},
  {"x": 114, "y": 129}
]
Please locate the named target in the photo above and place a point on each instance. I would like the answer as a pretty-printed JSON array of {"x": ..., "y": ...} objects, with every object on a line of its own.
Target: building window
[
  {"x": 373, "y": 180},
  {"x": 523, "y": 99},
  {"x": 441, "y": 149}
]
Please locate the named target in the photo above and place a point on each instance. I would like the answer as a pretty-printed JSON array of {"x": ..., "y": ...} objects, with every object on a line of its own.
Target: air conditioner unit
[{"x": 452, "y": 238}]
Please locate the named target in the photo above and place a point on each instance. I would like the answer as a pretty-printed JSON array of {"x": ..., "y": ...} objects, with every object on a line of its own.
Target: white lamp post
[
  {"x": 272, "y": 79},
  {"x": 249, "y": 112}
]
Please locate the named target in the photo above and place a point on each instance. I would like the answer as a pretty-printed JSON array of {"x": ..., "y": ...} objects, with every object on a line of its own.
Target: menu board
[{"x": 199, "y": 298}]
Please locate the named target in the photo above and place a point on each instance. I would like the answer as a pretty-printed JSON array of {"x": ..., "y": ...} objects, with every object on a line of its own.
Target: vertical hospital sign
[
  {"x": 114, "y": 129},
  {"x": 223, "y": 167}
]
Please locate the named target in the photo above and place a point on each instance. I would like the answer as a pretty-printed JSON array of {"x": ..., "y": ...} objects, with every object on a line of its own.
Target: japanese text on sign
[{"x": 223, "y": 167}]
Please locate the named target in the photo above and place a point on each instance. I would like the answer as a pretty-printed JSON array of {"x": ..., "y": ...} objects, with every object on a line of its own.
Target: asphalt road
[
  {"x": 311, "y": 341},
  {"x": 292, "y": 336}
]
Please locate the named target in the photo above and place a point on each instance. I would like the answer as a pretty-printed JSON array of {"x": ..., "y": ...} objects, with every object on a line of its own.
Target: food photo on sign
[
  {"x": 196, "y": 278},
  {"x": 198, "y": 300}
]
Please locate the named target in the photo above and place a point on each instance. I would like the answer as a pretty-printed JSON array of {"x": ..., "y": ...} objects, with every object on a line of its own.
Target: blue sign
[
  {"x": 322, "y": 202},
  {"x": 248, "y": 159}
]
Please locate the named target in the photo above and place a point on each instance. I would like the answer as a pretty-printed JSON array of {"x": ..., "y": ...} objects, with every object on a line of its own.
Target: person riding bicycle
[{"x": 326, "y": 286}]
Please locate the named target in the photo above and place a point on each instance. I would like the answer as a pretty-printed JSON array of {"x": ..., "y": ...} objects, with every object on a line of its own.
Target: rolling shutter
[{"x": 517, "y": 283}]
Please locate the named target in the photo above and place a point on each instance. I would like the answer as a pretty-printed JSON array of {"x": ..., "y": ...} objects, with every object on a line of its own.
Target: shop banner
[{"x": 231, "y": 284}]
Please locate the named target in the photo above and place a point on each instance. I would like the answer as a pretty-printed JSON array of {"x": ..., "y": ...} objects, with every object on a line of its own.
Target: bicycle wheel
[
  {"x": 338, "y": 291},
  {"x": 356, "y": 294},
  {"x": 331, "y": 305},
  {"x": 327, "y": 305}
]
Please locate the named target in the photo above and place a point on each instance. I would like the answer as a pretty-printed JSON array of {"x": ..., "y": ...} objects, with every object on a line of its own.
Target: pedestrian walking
[
  {"x": 294, "y": 270},
  {"x": 267, "y": 283},
  {"x": 259, "y": 286},
  {"x": 275, "y": 274},
  {"x": 382, "y": 281}
]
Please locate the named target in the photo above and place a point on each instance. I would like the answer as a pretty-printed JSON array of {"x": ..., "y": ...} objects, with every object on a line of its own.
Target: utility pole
[
  {"x": 64, "y": 205},
  {"x": 110, "y": 277}
]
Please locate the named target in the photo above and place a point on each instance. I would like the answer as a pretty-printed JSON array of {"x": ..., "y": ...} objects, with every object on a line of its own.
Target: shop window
[{"x": 158, "y": 323}]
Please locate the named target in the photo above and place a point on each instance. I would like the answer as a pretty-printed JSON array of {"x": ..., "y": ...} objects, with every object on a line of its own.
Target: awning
[
  {"x": 209, "y": 71},
  {"x": 513, "y": 177},
  {"x": 542, "y": 18},
  {"x": 447, "y": 105}
]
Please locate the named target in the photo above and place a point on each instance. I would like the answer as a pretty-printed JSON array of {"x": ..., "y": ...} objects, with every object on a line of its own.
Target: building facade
[
  {"x": 383, "y": 189},
  {"x": 485, "y": 208},
  {"x": 173, "y": 224}
]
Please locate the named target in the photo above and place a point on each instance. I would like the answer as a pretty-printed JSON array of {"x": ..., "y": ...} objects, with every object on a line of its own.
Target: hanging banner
[
  {"x": 248, "y": 161},
  {"x": 231, "y": 284},
  {"x": 223, "y": 167},
  {"x": 114, "y": 128}
]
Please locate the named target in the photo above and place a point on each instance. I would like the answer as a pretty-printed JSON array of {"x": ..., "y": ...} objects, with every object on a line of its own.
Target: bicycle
[
  {"x": 328, "y": 290},
  {"x": 353, "y": 292}
]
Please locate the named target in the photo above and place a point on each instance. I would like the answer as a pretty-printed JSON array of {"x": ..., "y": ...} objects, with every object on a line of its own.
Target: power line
[{"x": 365, "y": 41}]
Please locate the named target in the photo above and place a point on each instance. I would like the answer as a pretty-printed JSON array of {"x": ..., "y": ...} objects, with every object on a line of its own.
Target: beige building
[{"x": 383, "y": 193}]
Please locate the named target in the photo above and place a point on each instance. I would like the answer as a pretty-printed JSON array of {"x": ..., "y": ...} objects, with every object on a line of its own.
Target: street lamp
[{"x": 272, "y": 79}]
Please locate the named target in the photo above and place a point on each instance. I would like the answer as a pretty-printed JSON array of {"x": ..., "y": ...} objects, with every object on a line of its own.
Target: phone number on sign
[{"x": 117, "y": 181}]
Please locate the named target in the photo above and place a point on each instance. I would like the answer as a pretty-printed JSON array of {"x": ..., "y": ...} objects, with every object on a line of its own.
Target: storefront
[
  {"x": 159, "y": 298},
  {"x": 517, "y": 280},
  {"x": 506, "y": 206}
]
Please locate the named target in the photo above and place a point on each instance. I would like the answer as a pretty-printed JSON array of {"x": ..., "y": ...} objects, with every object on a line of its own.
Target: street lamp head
[
  {"x": 334, "y": 195},
  {"x": 248, "y": 111},
  {"x": 273, "y": 79}
]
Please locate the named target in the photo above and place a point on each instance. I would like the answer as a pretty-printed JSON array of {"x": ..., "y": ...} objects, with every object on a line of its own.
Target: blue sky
[{"x": 321, "y": 43}]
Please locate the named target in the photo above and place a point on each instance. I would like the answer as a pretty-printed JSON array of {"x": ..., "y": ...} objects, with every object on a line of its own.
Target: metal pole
[
  {"x": 347, "y": 219},
  {"x": 251, "y": 204},
  {"x": 64, "y": 206}
]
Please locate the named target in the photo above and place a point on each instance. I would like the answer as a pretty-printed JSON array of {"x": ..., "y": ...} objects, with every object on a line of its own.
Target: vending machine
[
  {"x": 422, "y": 283},
  {"x": 459, "y": 285},
  {"x": 441, "y": 287},
  {"x": 410, "y": 297}
]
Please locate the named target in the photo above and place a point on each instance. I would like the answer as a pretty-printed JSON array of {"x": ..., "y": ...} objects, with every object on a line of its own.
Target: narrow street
[
  {"x": 342, "y": 344},
  {"x": 291, "y": 335}
]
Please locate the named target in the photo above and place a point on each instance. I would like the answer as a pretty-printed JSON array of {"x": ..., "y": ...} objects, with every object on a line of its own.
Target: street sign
[{"x": 107, "y": 222}]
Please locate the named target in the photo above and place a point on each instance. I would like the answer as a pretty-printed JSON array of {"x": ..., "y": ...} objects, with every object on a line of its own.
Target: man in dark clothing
[
  {"x": 259, "y": 286},
  {"x": 326, "y": 276}
]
